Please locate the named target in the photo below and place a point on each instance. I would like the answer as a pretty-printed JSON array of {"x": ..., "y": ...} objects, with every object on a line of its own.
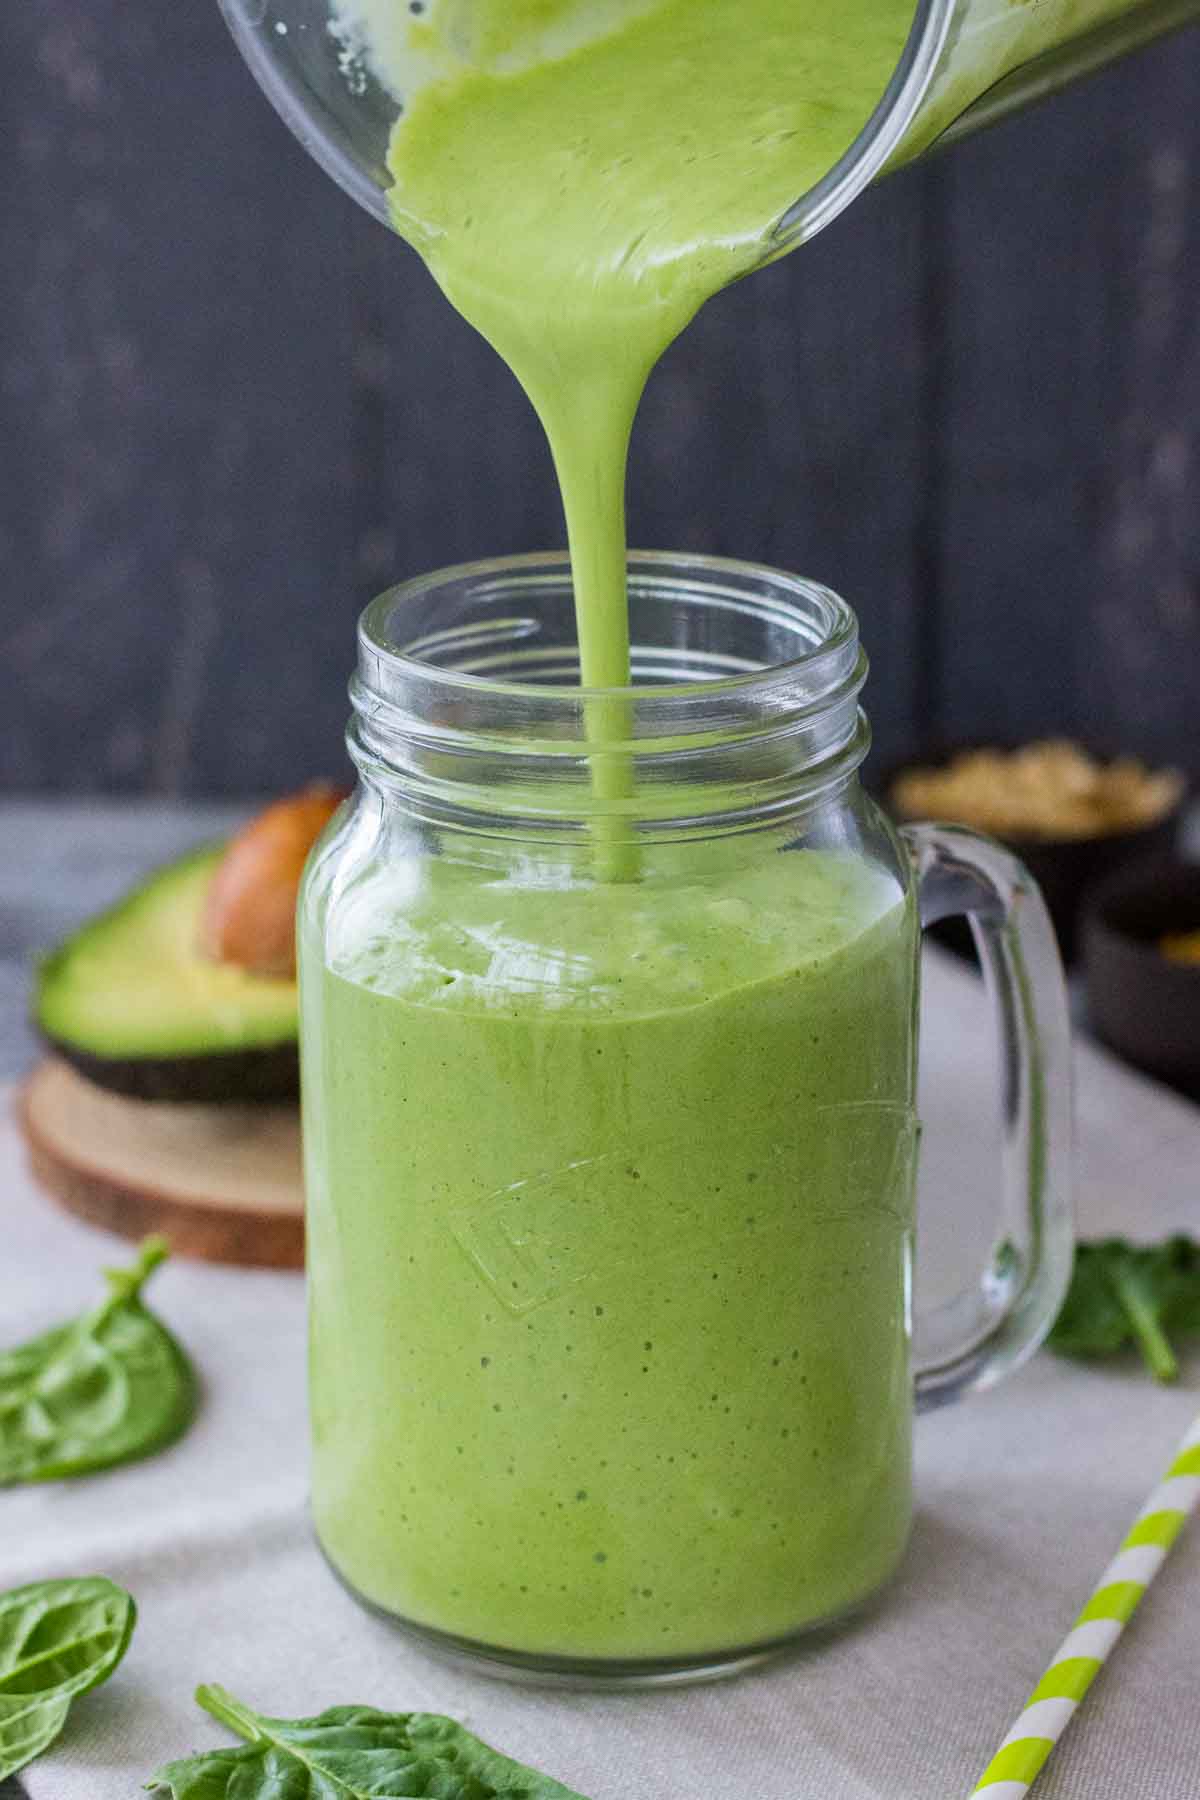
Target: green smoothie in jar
[{"x": 610, "y": 1194}]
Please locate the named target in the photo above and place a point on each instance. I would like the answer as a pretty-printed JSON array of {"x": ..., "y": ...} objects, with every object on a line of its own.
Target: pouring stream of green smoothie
[{"x": 580, "y": 177}]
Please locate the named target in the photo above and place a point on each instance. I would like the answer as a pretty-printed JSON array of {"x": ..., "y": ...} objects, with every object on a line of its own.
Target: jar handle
[{"x": 971, "y": 1342}]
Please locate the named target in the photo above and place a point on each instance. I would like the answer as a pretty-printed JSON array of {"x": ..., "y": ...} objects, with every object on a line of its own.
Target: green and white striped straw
[{"x": 1024, "y": 1753}]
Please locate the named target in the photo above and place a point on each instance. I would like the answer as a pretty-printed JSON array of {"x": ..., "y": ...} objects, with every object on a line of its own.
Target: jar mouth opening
[
  {"x": 410, "y": 635},
  {"x": 743, "y": 702}
]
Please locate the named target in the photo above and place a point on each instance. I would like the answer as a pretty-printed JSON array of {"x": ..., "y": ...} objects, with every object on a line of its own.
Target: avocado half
[{"x": 132, "y": 1004}]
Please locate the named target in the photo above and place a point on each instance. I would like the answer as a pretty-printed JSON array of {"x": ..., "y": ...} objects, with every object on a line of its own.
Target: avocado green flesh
[{"x": 132, "y": 985}]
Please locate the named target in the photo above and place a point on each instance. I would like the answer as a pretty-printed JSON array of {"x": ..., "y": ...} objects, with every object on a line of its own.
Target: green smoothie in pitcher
[
  {"x": 581, "y": 175},
  {"x": 610, "y": 1177}
]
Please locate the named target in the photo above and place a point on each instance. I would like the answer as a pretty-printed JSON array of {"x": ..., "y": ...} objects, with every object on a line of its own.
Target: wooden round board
[{"x": 220, "y": 1182}]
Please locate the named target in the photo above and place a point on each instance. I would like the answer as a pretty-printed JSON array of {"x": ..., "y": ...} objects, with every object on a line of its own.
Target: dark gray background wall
[{"x": 231, "y": 409}]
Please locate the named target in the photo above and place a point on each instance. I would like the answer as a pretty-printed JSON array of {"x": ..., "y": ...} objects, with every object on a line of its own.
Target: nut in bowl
[
  {"x": 1072, "y": 815},
  {"x": 1141, "y": 945}
]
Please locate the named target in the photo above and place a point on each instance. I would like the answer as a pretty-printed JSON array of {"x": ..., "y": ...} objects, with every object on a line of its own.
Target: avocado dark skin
[
  {"x": 266, "y": 1077},
  {"x": 132, "y": 1003}
]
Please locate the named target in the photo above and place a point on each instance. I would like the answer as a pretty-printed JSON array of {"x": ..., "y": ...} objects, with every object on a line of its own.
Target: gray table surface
[{"x": 61, "y": 861}]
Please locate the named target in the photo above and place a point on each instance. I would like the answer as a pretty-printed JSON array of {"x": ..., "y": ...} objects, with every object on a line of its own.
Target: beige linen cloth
[{"x": 1023, "y": 1494}]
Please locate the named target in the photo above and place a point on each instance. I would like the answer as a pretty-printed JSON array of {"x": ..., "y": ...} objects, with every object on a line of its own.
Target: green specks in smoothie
[{"x": 707, "y": 1094}]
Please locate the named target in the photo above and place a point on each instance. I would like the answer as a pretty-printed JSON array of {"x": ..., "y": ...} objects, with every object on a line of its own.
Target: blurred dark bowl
[
  {"x": 1064, "y": 868},
  {"x": 1144, "y": 1006}
]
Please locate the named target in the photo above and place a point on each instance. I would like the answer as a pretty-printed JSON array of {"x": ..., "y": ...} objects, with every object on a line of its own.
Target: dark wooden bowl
[
  {"x": 1064, "y": 868},
  {"x": 1141, "y": 1004}
]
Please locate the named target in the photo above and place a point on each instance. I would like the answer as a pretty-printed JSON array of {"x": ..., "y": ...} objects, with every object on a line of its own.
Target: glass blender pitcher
[{"x": 966, "y": 63}]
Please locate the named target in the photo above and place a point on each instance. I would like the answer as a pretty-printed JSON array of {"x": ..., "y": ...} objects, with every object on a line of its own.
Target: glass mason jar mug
[{"x": 609, "y": 1056}]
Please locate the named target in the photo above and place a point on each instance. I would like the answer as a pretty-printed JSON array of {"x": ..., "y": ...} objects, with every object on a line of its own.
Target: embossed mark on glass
[{"x": 534, "y": 1240}]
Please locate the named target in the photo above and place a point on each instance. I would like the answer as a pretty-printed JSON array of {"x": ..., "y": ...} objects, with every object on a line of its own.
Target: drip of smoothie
[{"x": 581, "y": 177}]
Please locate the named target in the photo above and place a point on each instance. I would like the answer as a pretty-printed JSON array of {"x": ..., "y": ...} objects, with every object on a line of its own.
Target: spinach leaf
[
  {"x": 1124, "y": 1293},
  {"x": 1179, "y": 1273},
  {"x": 57, "y": 1640},
  {"x": 1092, "y": 1321},
  {"x": 349, "y": 1753},
  {"x": 102, "y": 1389}
]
